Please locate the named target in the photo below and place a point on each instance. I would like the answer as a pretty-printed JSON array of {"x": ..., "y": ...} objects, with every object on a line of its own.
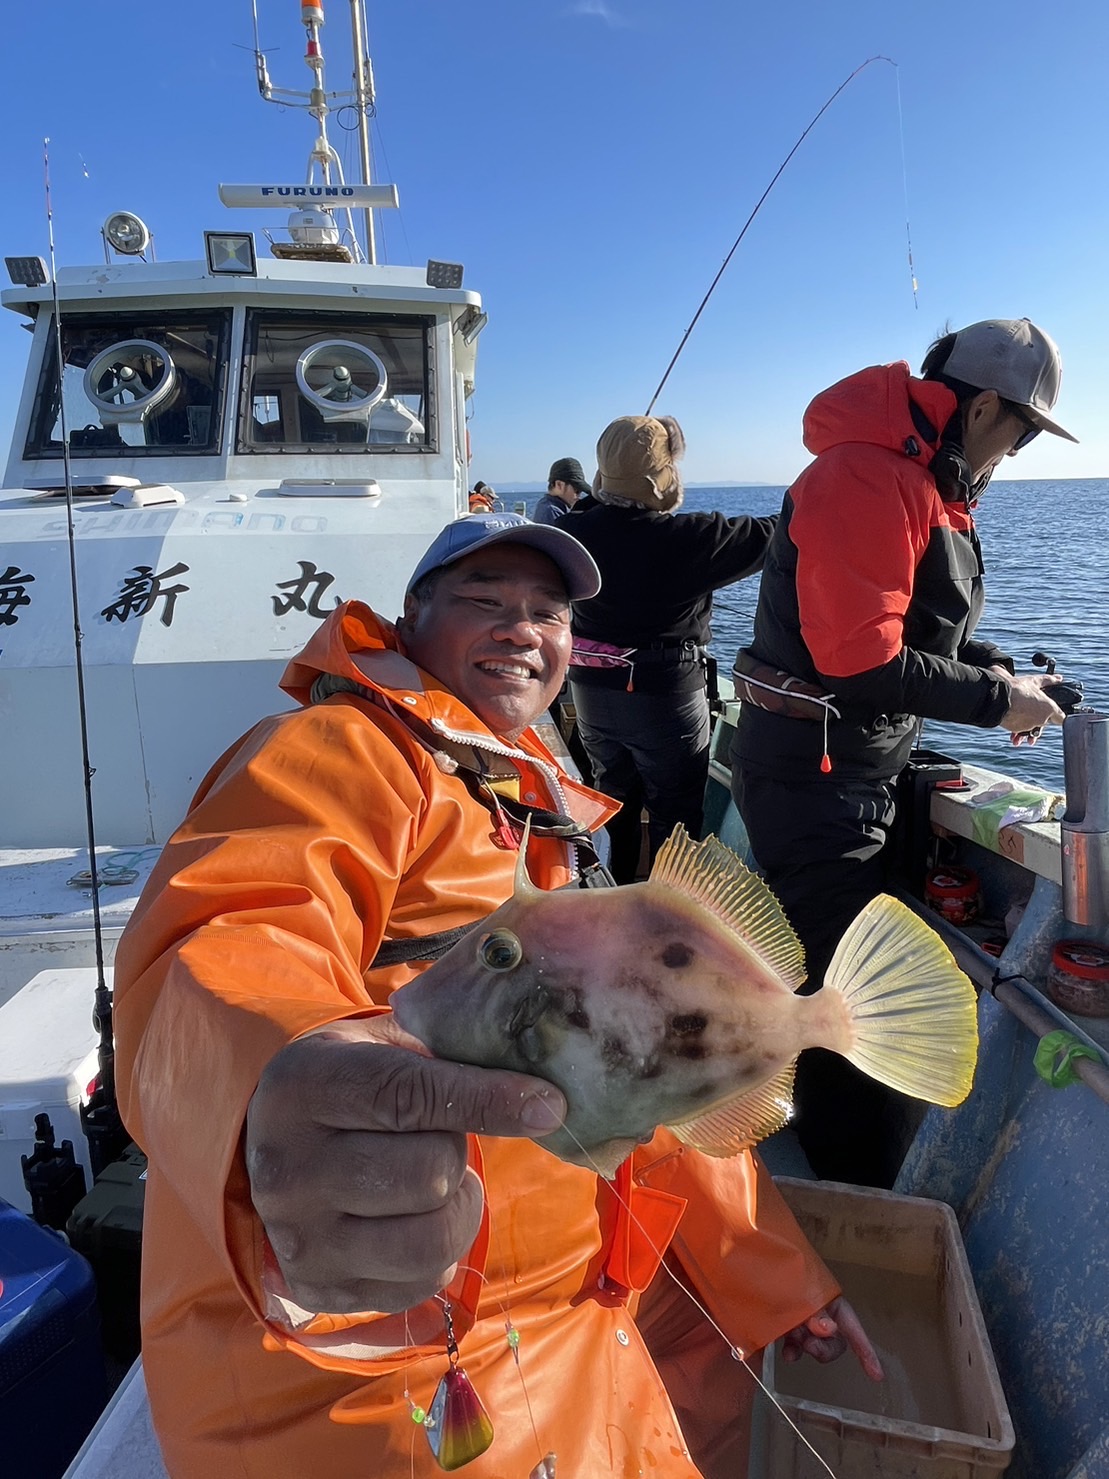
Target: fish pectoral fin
[
  {"x": 712, "y": 875},
  {"x": 911, "y": 1014},
  {"x": 744, "y": 1119}
]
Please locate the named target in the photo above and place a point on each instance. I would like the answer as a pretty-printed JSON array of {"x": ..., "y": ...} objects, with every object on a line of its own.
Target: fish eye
[{"x": 501, "y": 950}]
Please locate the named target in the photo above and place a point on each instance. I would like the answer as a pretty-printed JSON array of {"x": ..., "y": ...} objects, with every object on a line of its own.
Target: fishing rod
[
  {"x": 100, "y": 1117},
  {"x": 778, "y": 173}
]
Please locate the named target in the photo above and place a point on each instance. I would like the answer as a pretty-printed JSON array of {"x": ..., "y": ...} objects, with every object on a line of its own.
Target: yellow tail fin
[{"x": 913, "y": 1013}]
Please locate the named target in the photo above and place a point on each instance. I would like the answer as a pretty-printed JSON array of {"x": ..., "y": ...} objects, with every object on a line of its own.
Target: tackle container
[
  {"x": 925, "y": 771},
  {"x": 106, "y": 1226},
  {"x": 52, "y": 1381},
  {"x": 941, "y": 1412},
  {"x": 48, "y": 1058}
]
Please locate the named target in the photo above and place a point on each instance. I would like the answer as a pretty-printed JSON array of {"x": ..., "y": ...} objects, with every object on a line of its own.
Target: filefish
[{"x": 675, "y": 1002}]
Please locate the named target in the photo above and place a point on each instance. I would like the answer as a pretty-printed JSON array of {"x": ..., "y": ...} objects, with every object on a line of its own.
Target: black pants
[
  {"x": 823, "y": 848},
  {"x": 646, "y": 749}
]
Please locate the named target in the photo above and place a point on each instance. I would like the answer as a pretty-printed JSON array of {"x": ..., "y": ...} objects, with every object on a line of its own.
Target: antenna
[{"x": 324, "y": 159}]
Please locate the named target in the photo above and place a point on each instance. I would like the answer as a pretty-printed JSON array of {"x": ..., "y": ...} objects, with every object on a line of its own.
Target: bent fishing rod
[{"x": 759, "y": 204}]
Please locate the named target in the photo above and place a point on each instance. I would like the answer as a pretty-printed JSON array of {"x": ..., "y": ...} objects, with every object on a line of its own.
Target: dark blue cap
[{"x": 478, "y": 531}]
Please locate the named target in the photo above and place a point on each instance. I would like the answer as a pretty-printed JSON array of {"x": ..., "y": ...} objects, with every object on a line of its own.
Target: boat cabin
[{"x": 246, "y": 449}]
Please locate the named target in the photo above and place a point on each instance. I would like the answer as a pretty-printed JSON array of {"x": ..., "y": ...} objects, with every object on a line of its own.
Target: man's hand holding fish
[{"x": 356, "y": 1150}]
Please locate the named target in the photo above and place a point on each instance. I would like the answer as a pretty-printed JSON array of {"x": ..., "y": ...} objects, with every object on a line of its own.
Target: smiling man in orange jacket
[{"x": 315, "y": 1194}]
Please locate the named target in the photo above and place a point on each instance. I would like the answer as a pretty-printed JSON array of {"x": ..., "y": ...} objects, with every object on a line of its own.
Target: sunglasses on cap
[{"x": 1031, "y": 430}]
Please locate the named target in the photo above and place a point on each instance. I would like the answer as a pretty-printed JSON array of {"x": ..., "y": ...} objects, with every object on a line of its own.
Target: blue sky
[{"x": 591, "y": 162}]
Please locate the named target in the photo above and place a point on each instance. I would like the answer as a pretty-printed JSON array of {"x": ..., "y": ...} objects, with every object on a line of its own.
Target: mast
[{"x": 364, "y": 105}]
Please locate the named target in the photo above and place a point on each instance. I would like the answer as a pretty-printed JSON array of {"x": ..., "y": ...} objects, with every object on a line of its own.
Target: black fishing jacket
[{"x": 658, "y": 573}]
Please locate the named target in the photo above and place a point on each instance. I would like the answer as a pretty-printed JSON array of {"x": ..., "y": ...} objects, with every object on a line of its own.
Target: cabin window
[
  {"x": 327, "y": 382},
  {"x": 136, "y": 384}
]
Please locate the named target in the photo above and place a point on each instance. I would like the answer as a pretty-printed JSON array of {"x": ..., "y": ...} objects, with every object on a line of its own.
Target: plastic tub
[
  {"x": 941, "y": 1413},
  {"x": 1078, "y": 978},
  {"x": 955, "y": 893},
  {"x": 52, "y": 1383}
]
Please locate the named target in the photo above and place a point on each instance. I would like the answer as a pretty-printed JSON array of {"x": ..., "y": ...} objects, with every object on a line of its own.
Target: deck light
[
  {"x": 126, "y": 234},
  {"x": 27, "y": 272},
  {"x": 444, "y": 274},
  {"x": 474, "y": 326},
  {"x": 231, "y": 252}
]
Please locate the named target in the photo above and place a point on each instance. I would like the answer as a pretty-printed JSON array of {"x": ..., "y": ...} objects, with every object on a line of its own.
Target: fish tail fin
[{"x": 911, "y": 1017}]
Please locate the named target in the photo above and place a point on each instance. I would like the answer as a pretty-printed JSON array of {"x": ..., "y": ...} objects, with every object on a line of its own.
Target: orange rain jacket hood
[{"x": 318, "y": 835}]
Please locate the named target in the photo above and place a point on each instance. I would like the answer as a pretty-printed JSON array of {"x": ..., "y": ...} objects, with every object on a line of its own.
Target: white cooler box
[{"x": 48, "y": 1057}]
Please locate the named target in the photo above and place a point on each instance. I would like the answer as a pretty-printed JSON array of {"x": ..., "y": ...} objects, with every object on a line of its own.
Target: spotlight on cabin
[
  {"x": 126, "y": 234},
  {"x": 444, "y": 274},
  {"x": 474, "y": 327},
  {"x": 230, "y": 253},
  {"x": 27, "y": 272}
]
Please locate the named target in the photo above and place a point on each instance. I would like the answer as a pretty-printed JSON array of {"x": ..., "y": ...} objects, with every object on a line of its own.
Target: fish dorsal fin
[
  {"x": 742, "y": 1120},
  {"x": 712, "y": 875}
]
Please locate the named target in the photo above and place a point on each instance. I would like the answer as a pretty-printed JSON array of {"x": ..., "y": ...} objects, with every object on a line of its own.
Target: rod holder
[{"x": 1085, "y": 824}]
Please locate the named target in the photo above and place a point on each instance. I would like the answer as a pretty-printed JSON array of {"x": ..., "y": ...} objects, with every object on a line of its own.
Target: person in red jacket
[
  {"x": 866, "y": 623},
  {"x": 316, "y": 1194}
]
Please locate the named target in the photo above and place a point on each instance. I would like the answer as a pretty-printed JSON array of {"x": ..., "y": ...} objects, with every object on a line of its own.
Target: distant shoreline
[{"x": 527, "y": 490}]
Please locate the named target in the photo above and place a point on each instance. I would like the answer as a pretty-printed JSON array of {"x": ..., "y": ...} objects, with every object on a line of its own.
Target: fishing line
[
  {"x": 719, "y": 600},
  {"x": 905, "y": 184},
  {"x": 412, "y": 1407},
  {"x": 736, "y": 1353},
  {"x": 512, "y": 1335},
  {"x": 723, "y": 266},
  {"x": 514, "y": 1343}
]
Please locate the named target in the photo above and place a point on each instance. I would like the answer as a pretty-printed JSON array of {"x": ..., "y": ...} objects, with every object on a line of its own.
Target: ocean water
[{"x": 1046, "y": 552}]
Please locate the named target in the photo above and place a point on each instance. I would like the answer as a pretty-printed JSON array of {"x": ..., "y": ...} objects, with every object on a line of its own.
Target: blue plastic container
[{"x": 52, "y": 1382}]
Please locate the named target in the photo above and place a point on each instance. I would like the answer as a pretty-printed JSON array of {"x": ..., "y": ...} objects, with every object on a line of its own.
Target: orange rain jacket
[{"x": 320, "y": 833}]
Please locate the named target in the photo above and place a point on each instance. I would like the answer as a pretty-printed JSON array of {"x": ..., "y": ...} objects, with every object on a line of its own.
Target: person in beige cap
[
  {"x": 638, "y": 668},
  {"x": 865, "y": 624}
]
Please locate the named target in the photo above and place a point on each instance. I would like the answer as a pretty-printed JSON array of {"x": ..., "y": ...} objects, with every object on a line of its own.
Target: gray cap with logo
[{"x": 1015, "y": 358}]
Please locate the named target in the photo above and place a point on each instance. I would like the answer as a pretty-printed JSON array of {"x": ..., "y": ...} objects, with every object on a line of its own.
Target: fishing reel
[{"x": 1068, "y": 695}]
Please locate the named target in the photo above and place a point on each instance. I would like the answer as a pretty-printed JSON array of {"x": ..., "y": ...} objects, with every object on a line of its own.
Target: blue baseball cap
[{"x": 478, "y": 531}]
